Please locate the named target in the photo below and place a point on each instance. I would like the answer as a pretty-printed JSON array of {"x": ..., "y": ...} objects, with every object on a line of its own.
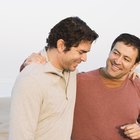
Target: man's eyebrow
[
  {"x": 116, "y": 50},
  {"x": 124, "y": 55},
  {"x": 85, "y": 51}
]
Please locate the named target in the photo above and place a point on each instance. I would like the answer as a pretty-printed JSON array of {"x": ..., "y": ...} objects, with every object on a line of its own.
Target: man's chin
[{"x": 72, "y": 69}]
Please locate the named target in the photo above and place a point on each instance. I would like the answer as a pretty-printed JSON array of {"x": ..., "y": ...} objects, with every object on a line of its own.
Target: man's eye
[
  {"x": 115, "y": 53},
  {"x": 126, "y": 59},
  {"x": 80, "y": 52}
]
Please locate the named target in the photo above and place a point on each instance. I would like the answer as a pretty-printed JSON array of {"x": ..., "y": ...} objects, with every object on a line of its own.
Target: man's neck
[
  {"x": 53, "y": 58},
  {"x": 110, "y": 81}
]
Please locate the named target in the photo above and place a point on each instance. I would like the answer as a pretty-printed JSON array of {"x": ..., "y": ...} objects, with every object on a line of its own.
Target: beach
[{"x": 4, "y": 117}]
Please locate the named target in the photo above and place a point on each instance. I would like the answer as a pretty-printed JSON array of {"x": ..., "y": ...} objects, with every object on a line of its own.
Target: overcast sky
[{"x": 25, "y": 24}]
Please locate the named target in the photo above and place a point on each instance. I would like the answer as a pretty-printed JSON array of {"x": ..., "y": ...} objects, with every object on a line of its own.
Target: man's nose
[
  {"x": 118, "y": 60},
  {"x": 84, "y": 57}
]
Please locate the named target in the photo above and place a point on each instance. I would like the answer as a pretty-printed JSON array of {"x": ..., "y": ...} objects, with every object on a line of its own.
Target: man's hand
[
  {"x": 132, "y": 131},
  {"x": 34, "y": 57},
  {"x": 134, "y": 74}
]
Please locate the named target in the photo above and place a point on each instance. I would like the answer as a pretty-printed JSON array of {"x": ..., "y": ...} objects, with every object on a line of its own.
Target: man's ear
[{"x": 60, "y": 45}]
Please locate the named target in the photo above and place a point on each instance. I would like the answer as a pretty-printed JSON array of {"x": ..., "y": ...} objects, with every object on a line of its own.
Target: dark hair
[
  {"x": 72, "y": 30},
  {"x": 128, "y": 39}
]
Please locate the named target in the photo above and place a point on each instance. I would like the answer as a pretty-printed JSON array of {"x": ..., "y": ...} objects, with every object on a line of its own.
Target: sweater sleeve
[
  {"x": 22, "y": 66},
  {"x": 25, "y": 109}
]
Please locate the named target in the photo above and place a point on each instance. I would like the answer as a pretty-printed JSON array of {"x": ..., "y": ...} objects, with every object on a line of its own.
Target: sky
[{"x": 25, "y": 24}]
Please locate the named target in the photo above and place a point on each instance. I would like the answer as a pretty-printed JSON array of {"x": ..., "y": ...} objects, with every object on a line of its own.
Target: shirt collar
[{"x": 49, "y": 67}]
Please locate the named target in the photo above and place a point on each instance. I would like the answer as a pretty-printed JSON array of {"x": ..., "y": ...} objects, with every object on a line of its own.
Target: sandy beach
[{"x": 4, "y": 117}]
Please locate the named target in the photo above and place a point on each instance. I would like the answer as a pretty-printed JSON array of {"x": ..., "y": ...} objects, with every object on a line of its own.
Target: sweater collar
[{"x": 49, "y": 67}]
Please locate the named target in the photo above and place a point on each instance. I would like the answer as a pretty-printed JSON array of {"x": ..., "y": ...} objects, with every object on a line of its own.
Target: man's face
[
  {"x": 70, "y": 59},
  {"x": 121, "y": 60}
]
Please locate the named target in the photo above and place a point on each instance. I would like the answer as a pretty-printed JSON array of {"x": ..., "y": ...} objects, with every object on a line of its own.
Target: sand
[{"x": 4, "y": 117}]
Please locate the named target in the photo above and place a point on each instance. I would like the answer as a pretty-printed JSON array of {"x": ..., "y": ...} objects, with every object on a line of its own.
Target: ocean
[{"x": 4, "y": 117}]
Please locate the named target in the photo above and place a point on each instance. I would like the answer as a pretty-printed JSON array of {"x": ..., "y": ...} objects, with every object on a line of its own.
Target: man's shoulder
[
  {"x": 88, "y": 74},
  {"x": 32, "y": 68},
  {"x": 32, "y": 71},
  {"x": 137, "y": 81}
]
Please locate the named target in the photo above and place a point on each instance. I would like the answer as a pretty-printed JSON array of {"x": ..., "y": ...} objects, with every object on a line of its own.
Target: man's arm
[
  {"x": 22, "y": 66},
  {"x": 25, "y": 108},
  {"x": 38, "y": 58}
]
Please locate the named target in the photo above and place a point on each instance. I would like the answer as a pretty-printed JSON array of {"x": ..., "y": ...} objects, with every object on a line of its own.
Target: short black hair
[{"x": 72, "y": 30}]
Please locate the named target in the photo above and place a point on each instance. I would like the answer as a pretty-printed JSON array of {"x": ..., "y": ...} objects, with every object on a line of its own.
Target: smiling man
[
  {"x": 43, "y": 96},
  {"x": 121, "y": 60},
  {"x": 108, "y": 102}
]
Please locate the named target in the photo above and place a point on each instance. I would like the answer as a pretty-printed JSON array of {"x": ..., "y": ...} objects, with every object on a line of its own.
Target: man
[
  {"x": 108, "y": 102},
  {"x": 43, "y": 96},
  {"x": 90, "y": 126}
]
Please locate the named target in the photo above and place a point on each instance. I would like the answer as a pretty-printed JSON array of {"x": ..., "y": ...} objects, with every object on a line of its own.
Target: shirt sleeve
[
  {"x": 22, "y": 66},
  {"x": 25, "y": 108}
]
